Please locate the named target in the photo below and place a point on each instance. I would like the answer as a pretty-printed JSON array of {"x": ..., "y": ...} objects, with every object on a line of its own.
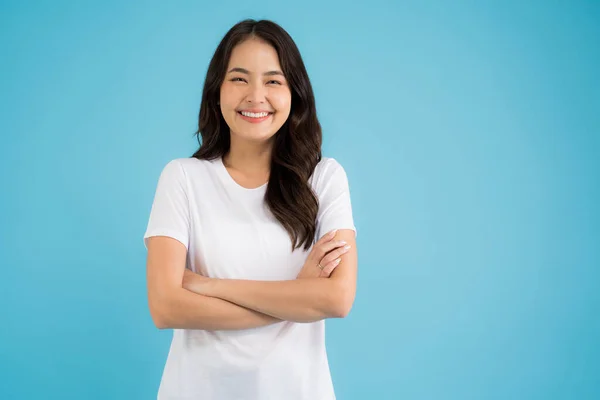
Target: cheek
[
  {"x": 228, "y": 97},
  {"x": 282, "y": 101}
]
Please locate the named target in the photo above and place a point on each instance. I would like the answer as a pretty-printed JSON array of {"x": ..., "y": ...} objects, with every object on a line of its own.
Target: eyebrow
[{"x": 245, "y": 71}]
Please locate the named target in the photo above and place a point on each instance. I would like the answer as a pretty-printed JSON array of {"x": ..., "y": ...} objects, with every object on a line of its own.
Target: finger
[
  {"x": 338, "y": 252},
  {"x": 333, "y": 255},
  {"x": 332, "y": 245},
  {"x": 327, "y": 237},
  {"x": 330, "y": 267}
]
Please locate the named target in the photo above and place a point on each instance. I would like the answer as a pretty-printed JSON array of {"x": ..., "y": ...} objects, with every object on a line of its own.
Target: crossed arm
[{"x": 228, "y": 304}]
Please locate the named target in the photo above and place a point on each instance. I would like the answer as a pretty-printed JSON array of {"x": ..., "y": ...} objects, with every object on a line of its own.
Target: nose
[{"x": 256, "y": 93}]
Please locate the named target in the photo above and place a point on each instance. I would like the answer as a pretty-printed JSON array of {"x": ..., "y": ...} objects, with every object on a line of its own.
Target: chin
[
  {"x": 263, "y": 138},
  {"x": 255, "y": 132},
  {"x": 257, "y": 136}
]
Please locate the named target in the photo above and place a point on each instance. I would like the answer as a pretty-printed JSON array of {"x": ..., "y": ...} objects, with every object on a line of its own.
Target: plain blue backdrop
[{"x": 470, "y": 132}]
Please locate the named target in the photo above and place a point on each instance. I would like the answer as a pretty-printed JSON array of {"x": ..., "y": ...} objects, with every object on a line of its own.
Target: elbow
[
  {"x": 158, "y": 318},
  {"x": 159, "y": 313},
  {"x": 160, "y": 322},
  {"x": 342, "y": 309},
  {"x": 342, "y": 302}
]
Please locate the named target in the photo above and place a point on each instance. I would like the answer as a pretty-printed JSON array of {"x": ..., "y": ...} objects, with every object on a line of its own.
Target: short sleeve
[
  {"x": 169, "y": 215},
  {"x": 335, "y": 207}
]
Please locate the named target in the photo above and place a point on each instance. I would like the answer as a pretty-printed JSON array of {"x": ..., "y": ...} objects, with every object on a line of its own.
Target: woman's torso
[{"x": 234, "y": 236}]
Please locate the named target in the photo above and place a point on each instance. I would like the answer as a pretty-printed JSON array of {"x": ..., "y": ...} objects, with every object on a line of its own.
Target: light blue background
[{"x": 470, "y": 132}]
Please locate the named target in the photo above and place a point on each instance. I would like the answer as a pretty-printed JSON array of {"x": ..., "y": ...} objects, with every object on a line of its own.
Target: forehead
[{"x": 254, "y": 55}]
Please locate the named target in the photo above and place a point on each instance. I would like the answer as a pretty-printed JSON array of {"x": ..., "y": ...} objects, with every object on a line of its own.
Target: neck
[{"x": 249, "y": 157}]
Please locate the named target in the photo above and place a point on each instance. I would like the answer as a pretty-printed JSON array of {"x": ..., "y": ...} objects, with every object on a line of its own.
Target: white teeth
[{"x": 254, "y": 115}]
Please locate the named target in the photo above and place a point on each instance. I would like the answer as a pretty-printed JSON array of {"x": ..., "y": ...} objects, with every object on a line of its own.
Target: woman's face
[{"x": 255, "y": 97}]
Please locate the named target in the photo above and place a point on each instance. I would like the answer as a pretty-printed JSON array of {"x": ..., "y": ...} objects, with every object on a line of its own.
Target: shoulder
[
  {"x": 185, "y": 167},
  {"x": 328, "y": 172},
  {"x": 187, "y": 163},
  {"x": 327, "y": 167},
  {"x": 327, "y": 164}
]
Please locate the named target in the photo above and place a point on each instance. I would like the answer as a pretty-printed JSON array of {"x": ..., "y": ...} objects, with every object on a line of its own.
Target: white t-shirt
[{"x": 230, "y": 233}]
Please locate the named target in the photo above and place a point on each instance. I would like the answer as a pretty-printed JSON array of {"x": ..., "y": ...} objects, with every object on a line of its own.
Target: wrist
[
  {"x": 210, "y": 286},
  {"x": 199, "y": 284}
]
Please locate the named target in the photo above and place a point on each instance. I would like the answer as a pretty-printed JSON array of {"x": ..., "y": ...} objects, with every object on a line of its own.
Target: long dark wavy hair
[{"x": 297, "y": 144}]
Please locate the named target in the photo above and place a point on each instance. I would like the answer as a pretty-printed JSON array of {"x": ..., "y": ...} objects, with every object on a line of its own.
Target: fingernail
[
  {"x": 337, "y": 261},
  {"x": 342, "y": 242},
  {"x": 333, "y": 233},
  {"x": 347, "y": 247}
]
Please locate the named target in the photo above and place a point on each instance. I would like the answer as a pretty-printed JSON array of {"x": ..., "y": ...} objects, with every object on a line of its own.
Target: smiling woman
[
  {"x": 251, "y": 241},
  {"x": 256, "y": 91}
]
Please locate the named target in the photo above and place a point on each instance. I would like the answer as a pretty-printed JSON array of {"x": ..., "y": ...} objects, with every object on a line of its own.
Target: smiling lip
[
  {"x": 252, "y": 119},
  {"x": 255, "y": 110}
]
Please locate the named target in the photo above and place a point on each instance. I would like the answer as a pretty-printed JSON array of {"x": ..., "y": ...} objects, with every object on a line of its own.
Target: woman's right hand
[{"x": 324, "y": 257}]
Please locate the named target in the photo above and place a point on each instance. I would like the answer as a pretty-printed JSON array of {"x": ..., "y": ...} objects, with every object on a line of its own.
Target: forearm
[
  {"x": 183, "y": 309},
  {"x": 300, "y": 300}
]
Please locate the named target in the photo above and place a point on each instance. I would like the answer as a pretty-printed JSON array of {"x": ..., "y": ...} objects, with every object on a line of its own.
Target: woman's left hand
[{"x": 324, "y": 257}]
